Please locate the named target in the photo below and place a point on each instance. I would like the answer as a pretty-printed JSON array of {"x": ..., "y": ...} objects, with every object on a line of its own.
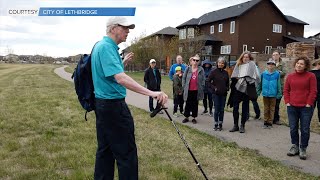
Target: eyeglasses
[
  {"x": 153, "y": 62},
  {"x": 196, "y": 60}
]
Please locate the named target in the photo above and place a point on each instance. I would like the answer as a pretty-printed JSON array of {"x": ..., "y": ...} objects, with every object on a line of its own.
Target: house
[
  {"x": 257, "y": 25},
  {"x": 315, "y": 37},
  {"x": 158, "y": 44}
]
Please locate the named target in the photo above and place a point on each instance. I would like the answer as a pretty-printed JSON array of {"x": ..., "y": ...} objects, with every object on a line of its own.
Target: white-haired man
[{"x": 114, "y": 123}]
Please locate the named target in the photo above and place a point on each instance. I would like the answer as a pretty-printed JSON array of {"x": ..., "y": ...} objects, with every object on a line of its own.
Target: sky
[{"x": 68, "y": 36}]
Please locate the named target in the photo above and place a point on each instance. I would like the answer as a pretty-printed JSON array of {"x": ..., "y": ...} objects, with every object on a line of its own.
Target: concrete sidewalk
[{"x": 273, "y": 143}]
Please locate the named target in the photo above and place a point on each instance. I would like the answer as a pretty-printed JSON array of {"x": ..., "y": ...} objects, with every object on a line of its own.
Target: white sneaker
[{"x": 175, "y": 115}]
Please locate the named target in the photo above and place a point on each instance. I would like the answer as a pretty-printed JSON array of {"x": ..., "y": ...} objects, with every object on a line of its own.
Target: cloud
[{"x": 59, "y": 36}]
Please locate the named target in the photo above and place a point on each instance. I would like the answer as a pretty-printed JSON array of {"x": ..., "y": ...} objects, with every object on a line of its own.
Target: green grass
[
  {"x": 70, "y": 68},
  {"x": 166, "y": 86},
  {"x": 44, "y": 136}
]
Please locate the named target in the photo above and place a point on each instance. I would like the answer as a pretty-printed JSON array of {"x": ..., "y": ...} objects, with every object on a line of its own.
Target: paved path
[{"x": 273, "y": 143}]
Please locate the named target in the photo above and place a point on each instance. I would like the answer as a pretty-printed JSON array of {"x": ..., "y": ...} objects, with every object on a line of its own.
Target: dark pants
[
  {"x": 245, "y": 108},
  {"x": 302, "y": 114},
  {"x": 178, "y": 101},
  {"x": 219, "y": 103},
  {"x": 276, "y": 117},
  {"x": 317, "y": 104},
  {"x": 256, "y": 108},
  {"x": 191, "y": 104},
  {"x": 116, "y": 141},
  {"x": 151, "y": 108},
  {"x": 208, "y": 96}
]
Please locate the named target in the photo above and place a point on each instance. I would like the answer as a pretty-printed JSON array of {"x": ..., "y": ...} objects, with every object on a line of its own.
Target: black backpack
[{"x": 83, "y": 83}]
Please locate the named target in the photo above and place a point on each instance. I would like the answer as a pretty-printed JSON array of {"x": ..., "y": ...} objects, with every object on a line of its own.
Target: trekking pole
[{"x": 155, "y": 112}]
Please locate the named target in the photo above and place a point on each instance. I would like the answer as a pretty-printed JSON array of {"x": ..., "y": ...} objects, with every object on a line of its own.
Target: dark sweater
[
  {"x": 300, "y": 89},
  {"x": 219, "y": 81},
  {"x": 317, "y": 74},
  {"x": 153, "y": 83}
]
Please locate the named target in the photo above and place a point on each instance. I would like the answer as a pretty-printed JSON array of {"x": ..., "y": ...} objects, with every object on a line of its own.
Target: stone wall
[{"x": 296, "y": 49}]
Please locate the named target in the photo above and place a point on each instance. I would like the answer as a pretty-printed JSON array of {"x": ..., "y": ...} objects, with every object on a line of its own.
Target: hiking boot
[
  {"x": 204, "y": 112},
  {"x": 220, "y": 127},
  {"x": 185, "y": 120},
  {"x": 294, "y": 150},
  {"x": 215, "y": 127},
  {"x": 234, "y": 129},
  {"x": 303, "y": 153},
  {"x": 194, "y": 121},
  {"x": 242, "y": 130},
  {"x": 210, "y": 113},
  {"x": 265, "y": 126},
  {"x": 175, "y": 115},
  {"x": 257, "y": 117}
]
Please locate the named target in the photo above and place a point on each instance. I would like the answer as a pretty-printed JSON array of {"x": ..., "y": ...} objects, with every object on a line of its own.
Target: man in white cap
[
  {"x": 152, "y": 78},
  {"x": 114, "y": 123}
]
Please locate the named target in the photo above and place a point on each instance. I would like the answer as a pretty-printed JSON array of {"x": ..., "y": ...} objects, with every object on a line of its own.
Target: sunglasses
[{"x": 196, "y": 60}]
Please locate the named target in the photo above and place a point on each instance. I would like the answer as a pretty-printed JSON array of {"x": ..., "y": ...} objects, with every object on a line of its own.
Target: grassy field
[
  {"x": 44, "y": 136},
  {"x": 166, "y": 86}
]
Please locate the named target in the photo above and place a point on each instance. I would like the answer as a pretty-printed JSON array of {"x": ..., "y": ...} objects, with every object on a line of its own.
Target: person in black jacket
[
  {"x": 219, "y": 81},
  {"x": 152, "y": 78},
  {"x": 316, "y": 72}
]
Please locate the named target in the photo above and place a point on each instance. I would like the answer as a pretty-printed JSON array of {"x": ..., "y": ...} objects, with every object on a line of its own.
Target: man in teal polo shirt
[{"x": 114, "y": 123}]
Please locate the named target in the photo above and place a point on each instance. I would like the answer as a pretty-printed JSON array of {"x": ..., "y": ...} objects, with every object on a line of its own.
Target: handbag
[{"x": 251, "y": 91}]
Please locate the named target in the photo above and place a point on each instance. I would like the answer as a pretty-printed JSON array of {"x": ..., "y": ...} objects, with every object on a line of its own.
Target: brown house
[
  {"x": 256, "y": 25},
  {"x": 158, "y": 42}
]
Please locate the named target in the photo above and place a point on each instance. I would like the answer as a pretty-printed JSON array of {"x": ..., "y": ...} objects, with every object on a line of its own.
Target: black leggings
[{"x": 191, "y": 104}]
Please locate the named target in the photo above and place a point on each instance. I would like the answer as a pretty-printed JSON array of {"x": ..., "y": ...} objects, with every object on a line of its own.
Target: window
[
  {"x": 225, "y": 49},
  {"x": 232, "y": 27},
  {"x": 212, "y": 29},
  {"x": 180, "y": 49},
  {"x": 190, "y": 32},
  {"x": 244, "y": 47},
  {"x": 279, "y": 47},
  {"x": 182, "y": 34},
  {"x": 277, "y": 28},
  {"x": 208, "y": 50},
  {"x": 268, "y": 49},
  {"x": 220, "y": 27}
]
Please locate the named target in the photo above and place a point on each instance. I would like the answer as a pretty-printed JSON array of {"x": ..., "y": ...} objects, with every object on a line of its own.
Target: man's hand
[
  {"x": 128, "y": 58},
  {"x": 161, "y": 97},
  {"x": 308, "y": 105}
]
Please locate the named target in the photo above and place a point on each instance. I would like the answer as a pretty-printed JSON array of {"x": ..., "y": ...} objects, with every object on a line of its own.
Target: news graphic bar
[{"x": 90, "y": 11}]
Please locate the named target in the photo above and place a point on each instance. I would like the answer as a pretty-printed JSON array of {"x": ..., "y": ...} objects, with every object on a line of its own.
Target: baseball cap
[
  {"x": 151, "y": 61},
  {"x": 271, "y": 61},
  {"x": 196, "y": 57},
  {"x": 178, "y": 68},
  {"x": 122, "y": 21}
]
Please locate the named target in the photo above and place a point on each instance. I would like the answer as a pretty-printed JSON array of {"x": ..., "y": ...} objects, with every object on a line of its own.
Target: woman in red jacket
[{"x": 300, "y": 90}]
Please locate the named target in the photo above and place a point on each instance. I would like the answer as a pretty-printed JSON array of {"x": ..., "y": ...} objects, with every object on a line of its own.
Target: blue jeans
[
  {"x": 207, "y": 95},
  {"x": 116, "y": 141},
  {"x": 302, "y": 114},
  {"x": 256, "y": 108},
  {"x": 219, "y": 103}
]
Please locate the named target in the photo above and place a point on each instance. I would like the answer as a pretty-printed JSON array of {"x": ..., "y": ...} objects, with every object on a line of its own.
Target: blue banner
[{"x": 83, "y": 11}]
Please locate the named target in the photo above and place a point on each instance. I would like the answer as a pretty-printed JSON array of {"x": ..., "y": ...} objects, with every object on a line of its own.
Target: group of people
[
  {"x": 114, "y": 122},
  {"x": 203, "y": 81}
]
